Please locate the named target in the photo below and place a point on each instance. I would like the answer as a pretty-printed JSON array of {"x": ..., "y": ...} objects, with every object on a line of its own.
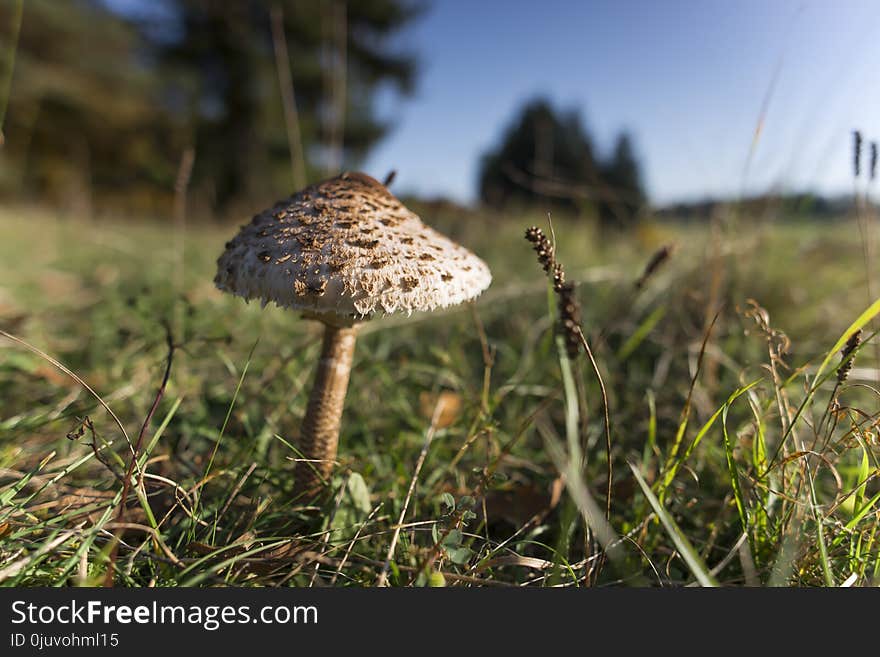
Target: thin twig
[{"x": 79, "y": 432}]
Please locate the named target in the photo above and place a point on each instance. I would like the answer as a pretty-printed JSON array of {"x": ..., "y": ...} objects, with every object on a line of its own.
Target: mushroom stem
[{"x": 320, "y": 429}]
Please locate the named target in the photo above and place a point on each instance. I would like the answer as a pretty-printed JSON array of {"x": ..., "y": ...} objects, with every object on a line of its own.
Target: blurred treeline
[
  {"x": 107, "y": 97},
  {"x": 547, "y": 159}
]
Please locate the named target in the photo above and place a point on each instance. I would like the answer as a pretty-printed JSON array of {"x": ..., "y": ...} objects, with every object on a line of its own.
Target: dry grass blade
[
  {"x": 429, "y": 437},
  {"x": 352, "y": 543},
  {"x": 73, "y": 376},
  {"x": 669, "y": 468},
  {"x": 236, "y": 490},
  {"x": 607, "y": 419},
  {"x": 288, "y": 98},
  {"x": 516, "y": 560},
  {"x": 19, "y": 565}
]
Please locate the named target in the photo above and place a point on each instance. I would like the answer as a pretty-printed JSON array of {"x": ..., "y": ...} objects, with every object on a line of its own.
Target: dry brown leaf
[{"x": 449, "y": 404}]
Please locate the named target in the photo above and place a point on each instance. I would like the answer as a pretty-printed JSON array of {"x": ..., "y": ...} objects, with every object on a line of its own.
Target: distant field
[{"x": 734, "y": 503}]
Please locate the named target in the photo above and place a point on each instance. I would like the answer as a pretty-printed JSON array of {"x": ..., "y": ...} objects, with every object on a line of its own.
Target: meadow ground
[{"x": 736, "y": 456}]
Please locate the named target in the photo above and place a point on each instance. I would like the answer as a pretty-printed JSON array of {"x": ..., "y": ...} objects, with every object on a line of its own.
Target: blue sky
[{"x": 687, "y": 78}]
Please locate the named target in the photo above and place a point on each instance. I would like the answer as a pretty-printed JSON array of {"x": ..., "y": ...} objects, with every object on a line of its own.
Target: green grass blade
[
  {"x": 244, "y": 372},
  {"x": 733, "y": 473},
  {"x": 640, "y": 333},
  {"x": 675, "y": 463},
  {"x": 862, "y": 479},
  {"x": 688, "y": 553}
]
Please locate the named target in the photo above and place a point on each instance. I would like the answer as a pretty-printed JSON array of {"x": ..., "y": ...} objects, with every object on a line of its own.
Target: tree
[
  {"x": 221, "y": 61},
  {"x": 82, "y": 118},
  {"x": 623, "y": 180},
  {"x": 547, "y": 158},
  {"x": 543, "y": 155}
]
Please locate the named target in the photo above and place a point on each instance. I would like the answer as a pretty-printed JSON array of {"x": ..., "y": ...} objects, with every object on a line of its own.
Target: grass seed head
[
  {"x": 558, "y": 278},
  {"x": 857, "y": 153},
  {"x": 542, "y": 247},
  {"x": 569, "y": 318},
  {"x": 872, "y": 170},
  {"x": 659, "y": 257},
  {"x": 847, "y": 356},
  {"x": 567, "y": 304}
]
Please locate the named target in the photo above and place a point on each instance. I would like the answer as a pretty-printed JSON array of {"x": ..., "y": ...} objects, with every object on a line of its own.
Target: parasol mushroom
[{"x": 343, "y": 251}]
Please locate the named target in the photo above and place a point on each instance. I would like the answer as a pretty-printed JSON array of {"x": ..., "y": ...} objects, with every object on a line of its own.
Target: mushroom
[{"x": 343, "y": 251}]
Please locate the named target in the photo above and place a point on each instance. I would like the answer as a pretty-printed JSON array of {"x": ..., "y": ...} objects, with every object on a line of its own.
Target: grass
[{"x": 472, "y": 451}]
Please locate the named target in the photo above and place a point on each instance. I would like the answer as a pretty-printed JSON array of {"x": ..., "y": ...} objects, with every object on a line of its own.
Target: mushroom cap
[{"x": 345, "y": 249}]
